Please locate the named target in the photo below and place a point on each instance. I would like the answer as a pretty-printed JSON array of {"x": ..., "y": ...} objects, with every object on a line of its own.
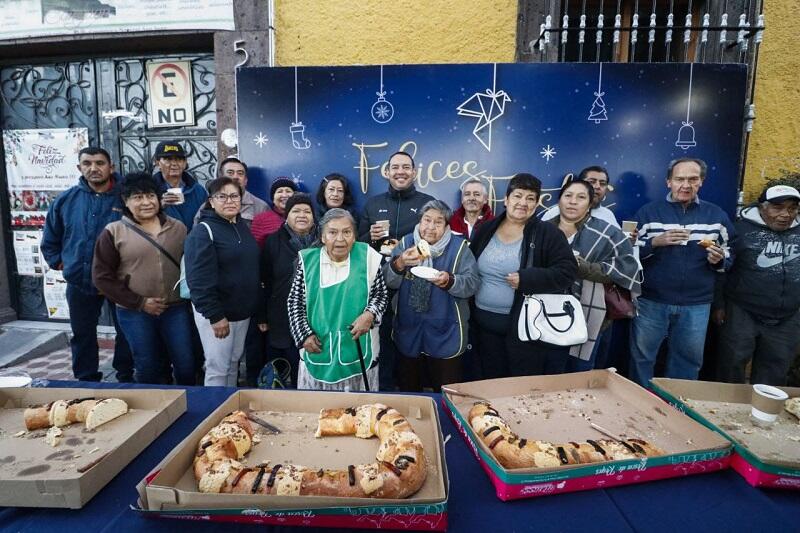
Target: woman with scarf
[
  {"x": 335, "y": 304},
  {"x": 431, "y": 315},
  {"x": 604, "y": 255},
  {"x": 278, "y": 264}
]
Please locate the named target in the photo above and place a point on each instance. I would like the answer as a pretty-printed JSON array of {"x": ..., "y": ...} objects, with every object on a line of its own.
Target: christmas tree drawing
[{"x": 598, "y": 111}]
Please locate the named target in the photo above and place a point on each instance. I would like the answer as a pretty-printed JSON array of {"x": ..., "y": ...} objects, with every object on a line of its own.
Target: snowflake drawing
[
  {"x": 261, "y": 140},
  {"x": 548, "y": 152},
  {"x": 382, "y": 112}
]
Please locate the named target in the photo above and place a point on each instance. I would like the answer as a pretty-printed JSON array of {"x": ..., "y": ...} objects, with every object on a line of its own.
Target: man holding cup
[
  {"x": 394, "y": 213},
  {"x": 387, "y": 218},
  {"x": 181, "y": 194},
  {"x": 683, "y": 249}
]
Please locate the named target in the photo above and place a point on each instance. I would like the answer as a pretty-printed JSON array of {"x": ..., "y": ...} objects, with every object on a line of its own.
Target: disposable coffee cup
[
  {"x": 766, "y": 404},
  {"x": 629, "y": 226},
  {"x": 385, "y": 224},
  {"x": 178, "y": 192}
]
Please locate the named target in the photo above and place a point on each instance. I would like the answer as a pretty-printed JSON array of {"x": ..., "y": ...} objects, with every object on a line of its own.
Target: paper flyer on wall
[
  {"x": 36, "y": 18},
  {"x": 40, "y": 164},
  {"x": 55, "y": 294},
  {"x": 29, "y": 257}
]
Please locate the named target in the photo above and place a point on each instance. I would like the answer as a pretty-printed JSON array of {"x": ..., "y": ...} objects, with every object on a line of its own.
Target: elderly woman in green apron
[{"x": 337, "y": 298}]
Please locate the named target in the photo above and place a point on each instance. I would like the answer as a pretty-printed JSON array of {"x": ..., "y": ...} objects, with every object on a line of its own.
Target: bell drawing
[{"x": 686, "y": 136}]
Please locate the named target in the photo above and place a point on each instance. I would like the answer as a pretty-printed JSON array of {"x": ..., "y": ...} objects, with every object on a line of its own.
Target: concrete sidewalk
[{"x": 41, "y": 349}]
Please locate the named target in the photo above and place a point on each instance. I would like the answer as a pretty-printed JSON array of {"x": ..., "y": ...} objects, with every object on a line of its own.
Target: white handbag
[{"x": 552, "y": 318}]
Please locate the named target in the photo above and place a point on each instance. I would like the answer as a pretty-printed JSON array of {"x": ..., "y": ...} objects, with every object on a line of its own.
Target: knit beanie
[
  {"x": 298, "y": 198},
  {"x": 281, "y": 181}
]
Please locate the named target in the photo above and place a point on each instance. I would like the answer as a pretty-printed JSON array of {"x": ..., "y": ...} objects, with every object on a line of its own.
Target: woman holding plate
[{"x": 435, "y": 274}]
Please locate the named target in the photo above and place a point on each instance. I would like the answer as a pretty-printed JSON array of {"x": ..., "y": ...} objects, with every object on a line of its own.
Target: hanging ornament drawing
[
  {"x": 382, "y": 109},
  {"x": 487, "y": 107},
  {"x": 598, "y": 112},
  {"x": 686, "y": 137},
  {"x": 298, "y": 129}
]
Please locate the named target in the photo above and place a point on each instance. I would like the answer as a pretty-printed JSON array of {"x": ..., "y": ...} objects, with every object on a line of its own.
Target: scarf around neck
[{"x": 420, "y": 288}]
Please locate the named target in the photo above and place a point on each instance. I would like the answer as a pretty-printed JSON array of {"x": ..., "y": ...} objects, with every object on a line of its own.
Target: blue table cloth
[{"x": 720, "y": 501}]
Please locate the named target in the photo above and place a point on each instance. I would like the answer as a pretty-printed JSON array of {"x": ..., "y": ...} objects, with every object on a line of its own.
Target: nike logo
[
  {"x": 766, "y": 262},
  {"x": 414, "y": 209},
  {"x": 383, "y": 210}
]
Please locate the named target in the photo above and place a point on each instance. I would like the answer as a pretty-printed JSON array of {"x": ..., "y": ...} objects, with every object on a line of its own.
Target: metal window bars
[{"x": 719, "y": 31}]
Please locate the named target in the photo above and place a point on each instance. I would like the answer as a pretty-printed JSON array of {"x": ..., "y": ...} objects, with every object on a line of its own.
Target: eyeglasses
[{"x": 235, "y": 197}]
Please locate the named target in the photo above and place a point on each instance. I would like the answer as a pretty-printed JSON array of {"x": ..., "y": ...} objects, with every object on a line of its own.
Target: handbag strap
[
  {"x": 152, "y": 241},
  {"x": 569, "y": 310}
]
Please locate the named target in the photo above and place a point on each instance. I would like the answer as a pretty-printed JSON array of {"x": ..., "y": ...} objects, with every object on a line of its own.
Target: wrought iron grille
[
  {"x": 136, "y": 141},
  {"x": 717, "y": 31},
  {"x": 78, "y": 94}
]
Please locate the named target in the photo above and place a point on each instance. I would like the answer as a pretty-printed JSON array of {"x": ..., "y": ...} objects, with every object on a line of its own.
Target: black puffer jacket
[
  {"x": 400, "y": 208},
  {"x": 223, "y": 274}
]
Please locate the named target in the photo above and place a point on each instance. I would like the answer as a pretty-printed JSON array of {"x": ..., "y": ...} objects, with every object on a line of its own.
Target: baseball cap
[
  {"x": 779, "y": 193},
  {"x": 169, "y": 148}
]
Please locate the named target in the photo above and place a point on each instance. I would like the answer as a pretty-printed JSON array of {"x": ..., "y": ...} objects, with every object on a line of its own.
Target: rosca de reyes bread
[
  {"x": 61, "y": 413},
  {"x": 511, "y": 451},
  {"x": 399, "y": 471},
  {"x": 424, "y": 249}
]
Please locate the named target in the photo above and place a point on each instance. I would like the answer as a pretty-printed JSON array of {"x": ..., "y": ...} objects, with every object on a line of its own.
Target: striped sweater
[{"x": 681, "y": 274}]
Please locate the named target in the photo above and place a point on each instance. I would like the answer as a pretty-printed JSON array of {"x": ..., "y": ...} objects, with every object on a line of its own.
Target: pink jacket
[{"x": 265, "y": 224}]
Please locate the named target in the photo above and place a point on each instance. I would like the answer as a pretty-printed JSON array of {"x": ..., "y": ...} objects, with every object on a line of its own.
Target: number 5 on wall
[{"x": 238, "y": 47}]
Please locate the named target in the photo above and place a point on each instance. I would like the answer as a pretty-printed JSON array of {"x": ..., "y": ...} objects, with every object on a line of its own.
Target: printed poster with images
[
  {"x": 30, "y": 261},
  {"x": 55, "y": 294},
  {"x": 40, "y": 164},
  {"x": 36, "y": 18}
]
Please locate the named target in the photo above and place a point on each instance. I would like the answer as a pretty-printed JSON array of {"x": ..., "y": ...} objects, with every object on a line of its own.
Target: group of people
[{"x": 201, "y": 277}]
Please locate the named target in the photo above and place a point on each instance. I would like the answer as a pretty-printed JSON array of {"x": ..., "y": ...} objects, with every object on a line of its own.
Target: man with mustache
[
  {"x": 759, "y": 308},
  {"x": 474, "y": 208},
  {"x": 74, "y": 221}
]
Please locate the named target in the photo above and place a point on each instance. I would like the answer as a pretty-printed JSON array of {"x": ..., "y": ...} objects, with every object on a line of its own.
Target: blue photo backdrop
[{"x": 492, "y": 121}]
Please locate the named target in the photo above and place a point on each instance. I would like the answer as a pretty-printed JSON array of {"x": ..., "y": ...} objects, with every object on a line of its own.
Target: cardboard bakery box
[
  {"x": 561, "y": 409},
  {"x": 764, "y": 457},
  {"x": 170, "y": 490},
  {"x": 36, "y": 474}
]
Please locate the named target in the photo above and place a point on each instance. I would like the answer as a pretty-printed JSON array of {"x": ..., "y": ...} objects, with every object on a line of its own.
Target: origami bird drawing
[{"x": 487, "y": 107}]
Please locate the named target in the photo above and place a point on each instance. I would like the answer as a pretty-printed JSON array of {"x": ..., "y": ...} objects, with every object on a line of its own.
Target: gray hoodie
[{"x": 765, "y": 278}]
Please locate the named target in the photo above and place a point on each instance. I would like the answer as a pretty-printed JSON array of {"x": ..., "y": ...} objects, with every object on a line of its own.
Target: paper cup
[
  {"x": 766, "y": 404},
  {"x": 178, "y": 192},
  {"x": 385, "y": 224}
]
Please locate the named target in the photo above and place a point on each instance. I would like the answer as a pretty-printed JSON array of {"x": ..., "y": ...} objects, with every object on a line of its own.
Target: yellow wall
[
  {"x": 350, "y": 32},
  {"x": 775, "y": 140}
]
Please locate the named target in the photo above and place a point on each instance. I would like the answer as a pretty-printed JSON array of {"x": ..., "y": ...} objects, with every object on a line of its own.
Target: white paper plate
[
  {"x": 14, "y": 381},
  {"x": 425, "y": 272}
]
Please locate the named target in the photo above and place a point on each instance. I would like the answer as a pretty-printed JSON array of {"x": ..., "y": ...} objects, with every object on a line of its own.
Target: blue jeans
[
  {"x": 148, "y": 333},
  {"x": 685, "y": 327},
  {"x": 84, "y": 314}
]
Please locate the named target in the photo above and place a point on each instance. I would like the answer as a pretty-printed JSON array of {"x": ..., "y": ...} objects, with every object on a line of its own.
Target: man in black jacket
[
  {"x": 759, "y": 310},
  {"x": 399, "y": 205},
  {"x": 400, "y": 208}
]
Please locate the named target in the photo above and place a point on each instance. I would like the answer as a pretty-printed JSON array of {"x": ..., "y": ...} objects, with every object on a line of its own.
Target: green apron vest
[{"x": 330, "y": 310}]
